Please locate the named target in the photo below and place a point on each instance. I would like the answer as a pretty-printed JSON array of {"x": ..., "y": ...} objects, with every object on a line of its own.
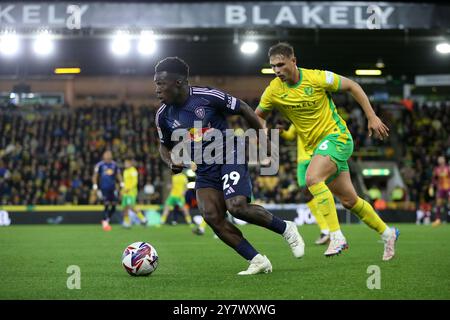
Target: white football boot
[
  {"x": 336, "y": 246},
  {"x": 259, "y": 264},
  {"x": 389, "y": 245},
  {"x": 295, "y": 240}
]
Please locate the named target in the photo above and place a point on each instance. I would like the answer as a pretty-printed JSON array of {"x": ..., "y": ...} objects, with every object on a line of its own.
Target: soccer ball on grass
[{"x": 140, "y": 259}]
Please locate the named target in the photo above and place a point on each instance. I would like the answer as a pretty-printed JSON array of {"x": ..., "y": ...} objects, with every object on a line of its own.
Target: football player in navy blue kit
[
  {"x": 220, "y": 186},
  {"x": 107, "y": 171}
]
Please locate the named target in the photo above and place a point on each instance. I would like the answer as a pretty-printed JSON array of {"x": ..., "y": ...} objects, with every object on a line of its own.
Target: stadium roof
[{"x": 216, "y": 51}]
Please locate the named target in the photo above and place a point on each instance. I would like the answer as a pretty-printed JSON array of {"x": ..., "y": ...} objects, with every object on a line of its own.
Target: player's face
[
  {"x": 127, "y": 163},
  {"x": 167, "y": 87},
  {"x": 107, "y": 156},
  {"x": 284, "y": 67},
  {"x": 441, "y": 161}
]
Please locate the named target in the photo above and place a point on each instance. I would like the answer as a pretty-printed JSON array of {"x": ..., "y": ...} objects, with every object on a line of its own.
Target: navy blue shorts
[
  {"x": 109, "y": 195},
  {"x": 232, "y": 179}
]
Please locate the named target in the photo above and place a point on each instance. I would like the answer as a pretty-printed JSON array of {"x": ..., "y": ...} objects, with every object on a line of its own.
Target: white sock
[
  {"x": 325, "y": 231},
  {"x": 336, "y": 235},
  {"x": 386, "y": 234}
]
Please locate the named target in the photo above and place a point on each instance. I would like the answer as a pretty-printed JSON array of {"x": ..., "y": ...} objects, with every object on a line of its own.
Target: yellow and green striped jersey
[
  {"x": 130, "y": 179},
  {"x": 290, "y": 135},
  {"x": 307, "y": 105},
  {"x": 179, "y": 185}
]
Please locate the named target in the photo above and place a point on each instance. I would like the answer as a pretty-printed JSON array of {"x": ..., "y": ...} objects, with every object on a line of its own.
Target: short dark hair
[
  {"x": 283, "y": 48},
  {"x": 173, "y": 65}
]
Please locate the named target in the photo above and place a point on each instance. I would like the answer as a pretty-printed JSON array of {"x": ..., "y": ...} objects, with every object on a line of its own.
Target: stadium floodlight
[
  {"x": 147, "y": 43},
  {"x": 9, "y": 43},
  {"x": 249, "y": 47},
  {"x": 443, "y": 48},
  {"x": 368, "y": 72},
  {"x": 43, "y": 45},
  {"x": 380, "y": 64},
  {"x": 120, "y": 45}
]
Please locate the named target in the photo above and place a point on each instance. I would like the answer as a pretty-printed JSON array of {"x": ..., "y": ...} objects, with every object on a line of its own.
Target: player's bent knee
[
  {"x": 212, "y": 218},
  {"x": 237, "y": 207},
  {"x": 312, "y": 180}
]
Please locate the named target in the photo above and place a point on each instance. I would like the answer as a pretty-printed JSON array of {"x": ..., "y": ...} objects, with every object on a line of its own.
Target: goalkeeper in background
[
  {"x": 303, "y": 160},
  {"x": 129, "y": 194}
]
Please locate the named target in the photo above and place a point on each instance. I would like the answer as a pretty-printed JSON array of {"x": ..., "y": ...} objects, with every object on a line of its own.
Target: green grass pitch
[{"x": 34, "y": 261}]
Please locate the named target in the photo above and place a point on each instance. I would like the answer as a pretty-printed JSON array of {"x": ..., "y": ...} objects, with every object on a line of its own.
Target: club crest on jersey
[
  {"x": 309, "y": 91},
  {"x": 200, "y": 112}
]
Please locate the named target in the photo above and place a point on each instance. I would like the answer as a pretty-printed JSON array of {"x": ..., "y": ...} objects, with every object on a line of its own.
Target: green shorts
[
  {"x": 175, "y": 201},
  {"x": 302, "y": 166},
  {"x": 340, "y": 148},
  {"x": 128, "y": 200}
]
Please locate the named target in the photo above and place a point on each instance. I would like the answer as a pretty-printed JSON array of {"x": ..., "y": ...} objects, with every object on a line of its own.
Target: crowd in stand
[
  {"x": 425, "y": 131},
  {"x": 47, "y": 157}
]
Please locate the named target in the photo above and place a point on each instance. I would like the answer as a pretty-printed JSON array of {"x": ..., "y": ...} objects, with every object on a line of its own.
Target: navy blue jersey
[
  {"x": 107, "y": 174},
  {"x": 207, "y": 105}
]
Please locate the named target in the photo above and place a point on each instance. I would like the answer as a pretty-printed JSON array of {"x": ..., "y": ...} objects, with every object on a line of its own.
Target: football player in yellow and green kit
[
  {"x": 129, "y": 194},
  {"x": 176, "y": 197},
  {"x": 303, "y": 160},
  {"x": 303, "y": 96}
]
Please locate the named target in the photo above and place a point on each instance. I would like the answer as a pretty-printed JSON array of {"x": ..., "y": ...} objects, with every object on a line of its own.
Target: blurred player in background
[
  {"x": 108, "y": 172},
  {"x": 129, "y": 194},
  {"x": 175, "y": 200},
  {"x": 303, "y": 160},
  {"x": 223, "y": 185},
  {"x": 303, "y": 96},
  {"x": 441, "y": 182}
]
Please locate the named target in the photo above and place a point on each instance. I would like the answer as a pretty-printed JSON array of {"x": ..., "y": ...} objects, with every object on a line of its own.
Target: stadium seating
[{"x": 48, "y": 154}]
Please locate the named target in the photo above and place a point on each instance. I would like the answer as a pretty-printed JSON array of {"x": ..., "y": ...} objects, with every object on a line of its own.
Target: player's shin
[
  {"x": 246, "y": 250},
  {"x": 111, "y": 211},
  {"x": 325, "y": 205},
  {"x": 106, "y": 213},
  {"x": 367, "y": 214},
  {"x": 312, "y": 205},
  {"x": 141, "y": 216},
  {"x": 257, "y": 215}
]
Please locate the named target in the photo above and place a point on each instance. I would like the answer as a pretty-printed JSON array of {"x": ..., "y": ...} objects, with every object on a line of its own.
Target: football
[{"x": 140, "y": 259}]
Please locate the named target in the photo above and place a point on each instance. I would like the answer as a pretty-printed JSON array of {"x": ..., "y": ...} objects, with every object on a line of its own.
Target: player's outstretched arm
[
  {"x": 250, "y": 116},
  {"x": 375, "y": 125},
  {"x": 262, "y": 115}
]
